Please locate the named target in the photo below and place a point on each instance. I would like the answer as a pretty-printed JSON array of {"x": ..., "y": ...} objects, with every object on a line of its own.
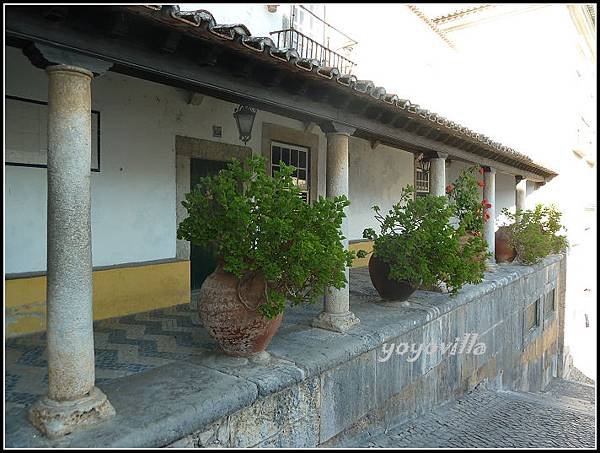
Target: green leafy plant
[
  {"x": 471, "y": 214},
  {"x": 420, "y": 245},
  {"x": 535, "y": 233},
  {"x": 470, "y": 210},
  {"x": 259, "y": 225}
]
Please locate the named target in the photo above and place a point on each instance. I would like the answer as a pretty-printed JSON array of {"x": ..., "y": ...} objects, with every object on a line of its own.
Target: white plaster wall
[
  {"x": 133, "y": 196},
  {"x": 256, "y": 17},
  {"x": 376, "y": 177},
  {"x": 506, "y": 193}
]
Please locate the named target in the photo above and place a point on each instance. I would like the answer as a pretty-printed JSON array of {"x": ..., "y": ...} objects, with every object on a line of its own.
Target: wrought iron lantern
[{"x": 244, "y": 117}]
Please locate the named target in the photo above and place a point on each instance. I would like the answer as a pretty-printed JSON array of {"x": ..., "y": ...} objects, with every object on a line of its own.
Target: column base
[
  {"x": 491, "y": 266},
  {"x": 335, "y": 322},
  {"x": 58, "y": 418}
]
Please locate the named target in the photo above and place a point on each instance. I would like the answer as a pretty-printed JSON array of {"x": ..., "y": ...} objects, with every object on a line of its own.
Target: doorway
[{"x": 202, "y": 257}]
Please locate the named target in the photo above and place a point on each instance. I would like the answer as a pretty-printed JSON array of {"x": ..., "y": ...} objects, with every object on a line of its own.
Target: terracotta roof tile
[{"x": 204, "y": 20}]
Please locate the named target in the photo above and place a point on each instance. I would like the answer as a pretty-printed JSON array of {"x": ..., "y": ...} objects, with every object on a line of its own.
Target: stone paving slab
[
  {"x": 563, "y": 416},
  {"x": 152, "y": 409}
]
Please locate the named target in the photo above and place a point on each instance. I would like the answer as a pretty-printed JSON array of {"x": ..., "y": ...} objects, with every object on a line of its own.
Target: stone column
[
  {"x": 521, "y": 193},
  {"x": 489, "y": 227},
  {"x": 72, "y": 398},
  {"x": 437, "y": 172},
  {"x": 337, "y": 315}
]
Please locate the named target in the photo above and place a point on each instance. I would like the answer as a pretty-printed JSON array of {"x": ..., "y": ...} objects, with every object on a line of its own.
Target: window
[
  {"x": 422, "y": 177},
  {"x": 549, "y": 303},
  {"x": 532, "y": 315},
  {"x": 299, "y": 157},
  {"x": 307, "y": 23}
]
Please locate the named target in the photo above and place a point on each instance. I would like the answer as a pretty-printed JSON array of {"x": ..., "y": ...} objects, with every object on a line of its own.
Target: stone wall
[{"x": 366, "y": 391}]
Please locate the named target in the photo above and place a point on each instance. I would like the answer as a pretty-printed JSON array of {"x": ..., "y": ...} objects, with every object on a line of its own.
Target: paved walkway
[
  {"x": 561, "y": 416},
  {"x": 130, "y": 345}
]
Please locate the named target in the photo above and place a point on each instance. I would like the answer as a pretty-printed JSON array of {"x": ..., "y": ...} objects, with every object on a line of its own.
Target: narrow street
[{"x": 561, "y": 416}]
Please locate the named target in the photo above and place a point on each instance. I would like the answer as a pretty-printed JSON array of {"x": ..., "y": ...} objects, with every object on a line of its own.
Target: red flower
[
  {"x": 487, "y": 216},
  {"x": 449, "y": 188},
  {"x": 480, "y": 183},
  {"x": 481, "y": 170}
]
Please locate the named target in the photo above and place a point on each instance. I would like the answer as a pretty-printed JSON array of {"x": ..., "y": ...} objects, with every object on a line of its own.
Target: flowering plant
[
  {"x": 464, "y": 194},
  {"x": 471, "y": 213}
]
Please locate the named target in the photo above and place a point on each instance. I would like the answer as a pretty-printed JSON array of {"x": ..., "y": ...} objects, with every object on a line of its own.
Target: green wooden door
[{"x": 203, "y": 260}]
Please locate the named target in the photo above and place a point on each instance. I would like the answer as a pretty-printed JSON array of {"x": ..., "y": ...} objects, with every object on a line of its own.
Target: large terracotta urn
[
  {"x": 387, "y": 288},
  {"x": 505, "y": 253},
  {"x": 228, "y": 310}
]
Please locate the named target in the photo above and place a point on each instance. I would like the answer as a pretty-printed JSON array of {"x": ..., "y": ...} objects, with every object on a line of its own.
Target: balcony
[{"x": 311, "y": 49}]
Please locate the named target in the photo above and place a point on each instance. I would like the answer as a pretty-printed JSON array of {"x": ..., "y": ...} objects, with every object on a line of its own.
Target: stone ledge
[
  {"x": 166, "y": 404},
  {"x": 153, "y": 409}
]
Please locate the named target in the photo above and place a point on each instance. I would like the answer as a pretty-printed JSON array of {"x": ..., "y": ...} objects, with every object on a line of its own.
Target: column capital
[
  {"x": 332, "y": 127},
  {"x": 487, "y": 169},
  {"x": 67, "y": 68},
  {"x": 438, "y": 155},
  {"x": 43, "y": 56},
  {"x": 519, "y": 178}
]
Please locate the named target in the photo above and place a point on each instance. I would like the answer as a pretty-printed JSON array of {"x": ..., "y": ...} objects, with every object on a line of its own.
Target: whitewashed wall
[
  {"x": 256, "y": 17},
  {"x": 133, "y": 196},
  {"x": 376, "y": 178}
]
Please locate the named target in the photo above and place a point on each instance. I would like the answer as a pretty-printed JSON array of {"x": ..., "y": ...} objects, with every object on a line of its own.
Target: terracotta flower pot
[
  {"x": 386, "y": 287},
  {"x": 233, "y": 320},
  {"x": 505, "y": 253}
]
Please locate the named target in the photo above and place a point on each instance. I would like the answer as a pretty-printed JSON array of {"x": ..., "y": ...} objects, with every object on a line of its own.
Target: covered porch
[{"x": 231, "y": 66}]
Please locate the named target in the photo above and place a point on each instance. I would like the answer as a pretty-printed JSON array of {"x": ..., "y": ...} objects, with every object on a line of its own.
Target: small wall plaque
[{"x": 217, "y": 132}]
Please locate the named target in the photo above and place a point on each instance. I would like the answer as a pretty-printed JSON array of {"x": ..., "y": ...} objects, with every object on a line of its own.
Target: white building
[
  {"x": 144, "y": 96},
  {"x": 141, "y": 130}
]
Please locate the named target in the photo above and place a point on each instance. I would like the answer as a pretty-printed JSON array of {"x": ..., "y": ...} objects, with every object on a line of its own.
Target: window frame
[
  {"x": 307, "y": 167},
  {"x": 419, "y": 192}
]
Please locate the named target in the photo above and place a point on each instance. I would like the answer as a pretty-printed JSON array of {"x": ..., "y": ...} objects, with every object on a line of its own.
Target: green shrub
[
  {"x": 420, "y": 245},
  {"x": 535, "y": 233},
  {"x": 259, "y": 225}
]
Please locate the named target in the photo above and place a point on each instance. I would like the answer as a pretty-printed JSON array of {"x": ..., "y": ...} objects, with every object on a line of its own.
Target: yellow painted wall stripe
[
  {"x": 117, "y": 292},
  {"x": 364, "y": 245}
]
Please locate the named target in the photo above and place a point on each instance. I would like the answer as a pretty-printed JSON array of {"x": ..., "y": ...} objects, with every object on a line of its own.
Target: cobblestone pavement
[{"x": 561, "y": 416}]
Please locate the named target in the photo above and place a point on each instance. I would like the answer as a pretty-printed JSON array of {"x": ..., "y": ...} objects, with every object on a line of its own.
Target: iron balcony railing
[{"x": 309, "y": 48}]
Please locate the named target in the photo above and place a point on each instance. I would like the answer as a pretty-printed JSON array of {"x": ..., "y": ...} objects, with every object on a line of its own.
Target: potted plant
[
  {"x": 418, "y": 247},
  {"x": 470, "y": 211},
  {"x": 505, "y": 251},
  {"x": 535, "y": 233},
  {"x": 271, "y": 247}
]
